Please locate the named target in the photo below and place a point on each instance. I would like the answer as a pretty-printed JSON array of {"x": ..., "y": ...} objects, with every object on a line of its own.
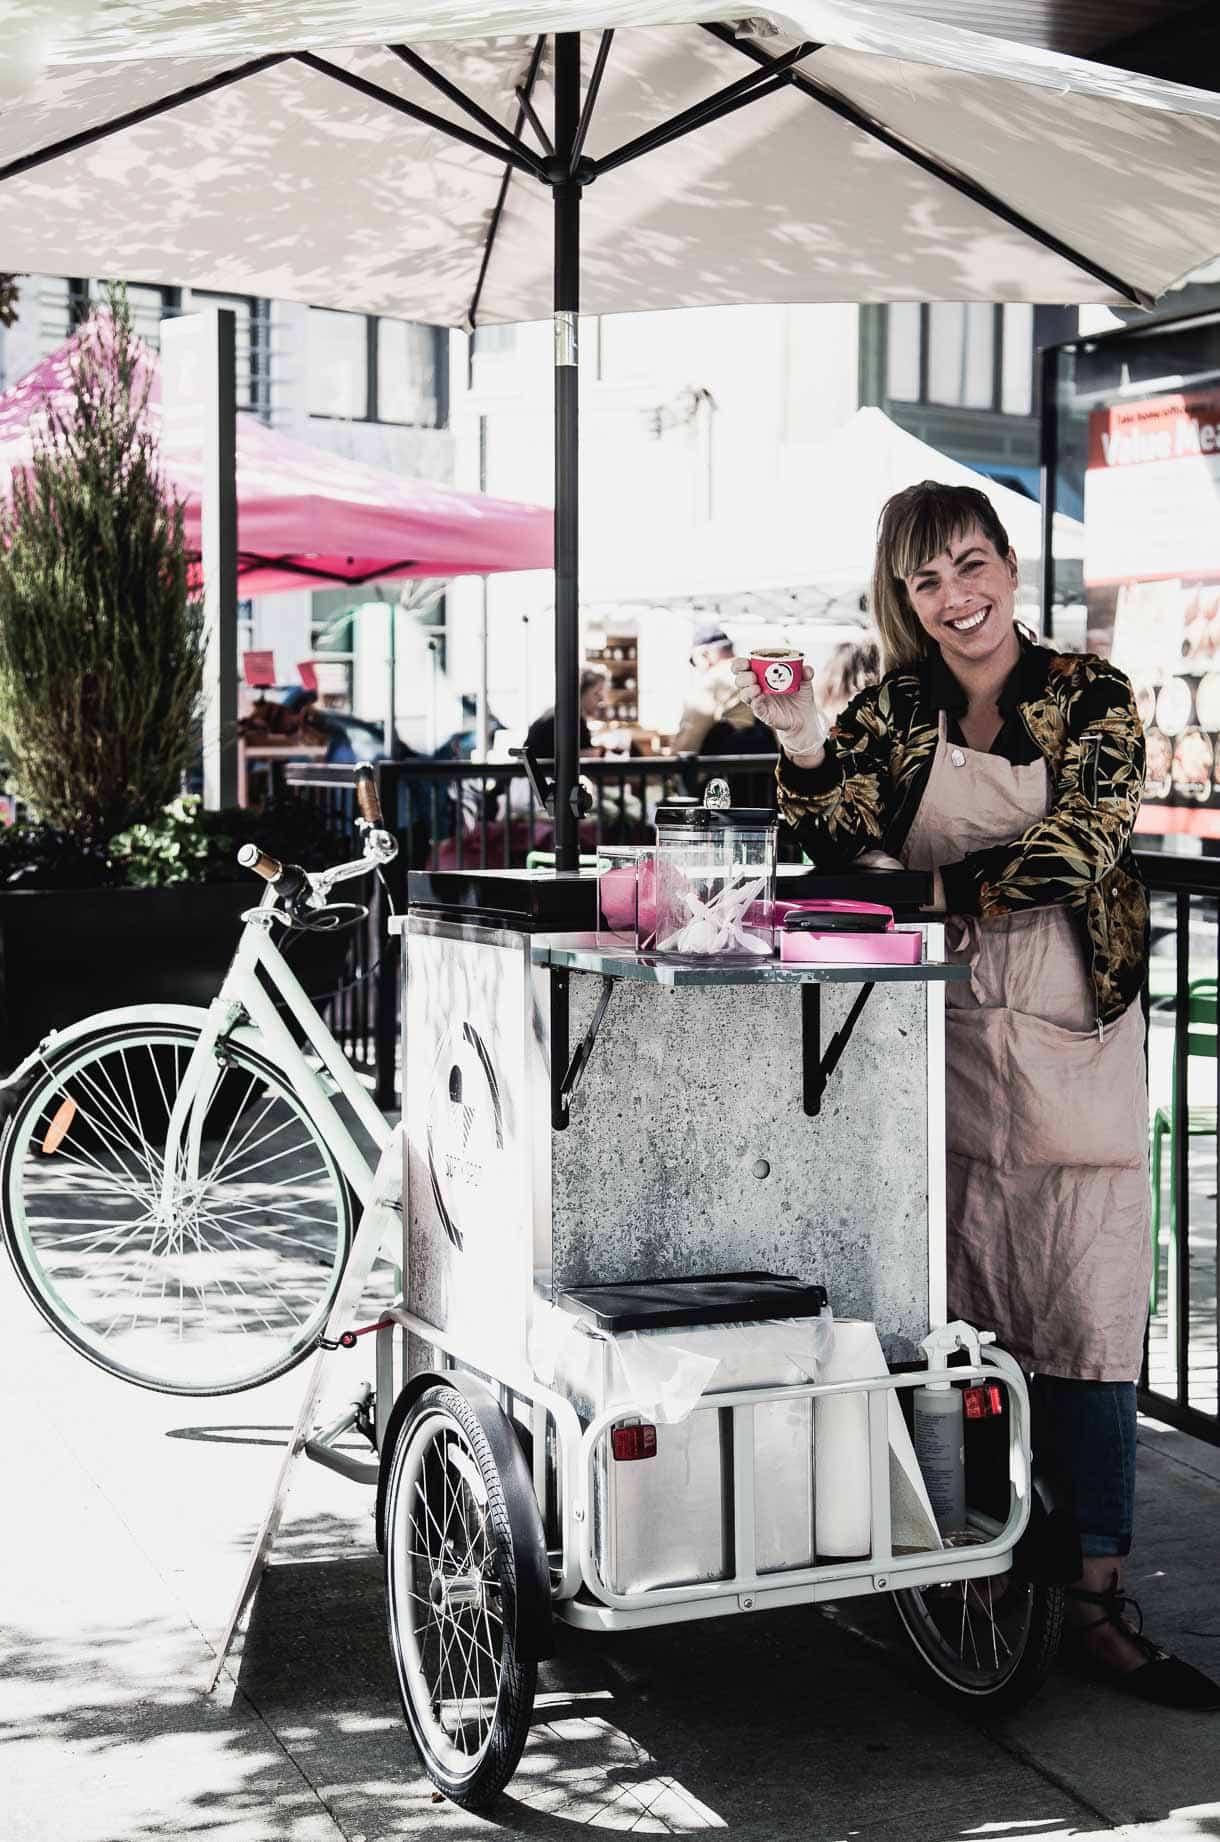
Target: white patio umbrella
[{"x": 465, "y": 161}]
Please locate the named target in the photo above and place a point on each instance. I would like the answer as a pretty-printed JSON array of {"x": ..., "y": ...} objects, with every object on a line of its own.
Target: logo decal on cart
[{"x": 465, "y": 1130}]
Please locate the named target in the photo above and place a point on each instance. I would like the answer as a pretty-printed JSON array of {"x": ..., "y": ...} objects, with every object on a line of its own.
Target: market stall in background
[{"x": 1134, "y": 436}]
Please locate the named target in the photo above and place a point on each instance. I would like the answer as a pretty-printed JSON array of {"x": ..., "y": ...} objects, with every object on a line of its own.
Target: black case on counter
[{"x": 713, "y": 1298}]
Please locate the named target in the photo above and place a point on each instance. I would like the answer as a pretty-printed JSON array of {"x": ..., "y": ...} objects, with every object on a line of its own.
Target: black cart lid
[
  {"x": 712, "y": 1298},
  {"x": 714, "y": 818}
]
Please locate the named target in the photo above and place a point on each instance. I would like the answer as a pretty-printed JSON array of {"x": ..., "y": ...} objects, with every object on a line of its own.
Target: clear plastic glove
[{"x": 799, "y": 725}]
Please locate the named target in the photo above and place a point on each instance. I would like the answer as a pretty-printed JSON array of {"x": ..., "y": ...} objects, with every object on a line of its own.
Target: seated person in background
[
  {"x": 712, "y": 697},
  {"x": 851, "y": 668},
  {"x": 540, "y": 736}
]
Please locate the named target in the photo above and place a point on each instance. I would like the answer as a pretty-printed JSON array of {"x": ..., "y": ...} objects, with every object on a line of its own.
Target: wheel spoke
[{"x": 226, "y": 1292}]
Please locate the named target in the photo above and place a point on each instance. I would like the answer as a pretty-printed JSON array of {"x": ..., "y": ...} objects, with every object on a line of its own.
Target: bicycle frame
[{"x": 245, "y": 1007}]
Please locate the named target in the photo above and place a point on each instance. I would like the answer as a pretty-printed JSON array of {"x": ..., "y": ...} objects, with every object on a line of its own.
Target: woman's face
[{"x": 964, "y": 599}]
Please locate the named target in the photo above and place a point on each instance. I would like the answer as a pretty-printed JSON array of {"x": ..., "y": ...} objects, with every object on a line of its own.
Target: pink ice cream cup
[{"x": 777, "y": 670}]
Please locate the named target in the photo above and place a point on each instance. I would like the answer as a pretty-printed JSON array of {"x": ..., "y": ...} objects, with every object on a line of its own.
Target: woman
[{"x": 1013, "y": 775}]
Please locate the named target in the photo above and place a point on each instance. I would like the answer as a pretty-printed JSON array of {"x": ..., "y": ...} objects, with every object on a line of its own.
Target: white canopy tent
[
  {"x": 815, "y": 558},
  {"x": 462, "y": 162}
]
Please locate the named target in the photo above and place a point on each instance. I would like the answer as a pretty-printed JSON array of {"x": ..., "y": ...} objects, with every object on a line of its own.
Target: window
[
  {"x": 493, "y": 341},
  {"x": 904, "y": 340},
  {"x": 252, "y": 338},
  {"x": 405, "y": 386},
  {"x": 366, "y": 369},
  {"x": 961, "y": 354},
  {"x": 148, "y": 305},
  {"x": 1017, "y": 361},
  {"x": 332, "y": 642},
  {"x": 338, "y": 361},
  {"x": 65, "y": 303}
]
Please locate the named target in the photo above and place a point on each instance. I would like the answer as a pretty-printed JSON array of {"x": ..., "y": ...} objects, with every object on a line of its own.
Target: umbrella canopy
[
  {"x": 310, "y": 153},
  {"x": 463, "y": 161},
  {"x": 819, "y": 547},
  {"x": 306, "y": 517}
]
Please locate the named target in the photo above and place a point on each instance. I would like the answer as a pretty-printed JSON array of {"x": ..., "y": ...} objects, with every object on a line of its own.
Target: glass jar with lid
[{"x": 715, "y": 878}]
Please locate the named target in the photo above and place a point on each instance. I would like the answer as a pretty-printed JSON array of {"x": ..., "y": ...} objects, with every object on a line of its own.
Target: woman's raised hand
[{"x": 799, "y": 725}]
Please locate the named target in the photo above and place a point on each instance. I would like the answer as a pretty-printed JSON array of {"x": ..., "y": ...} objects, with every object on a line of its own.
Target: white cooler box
[{"x": 667, "y": 1520}]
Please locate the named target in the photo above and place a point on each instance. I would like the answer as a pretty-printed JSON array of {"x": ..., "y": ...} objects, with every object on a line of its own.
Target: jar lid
[{"x": 694, "y": 817}]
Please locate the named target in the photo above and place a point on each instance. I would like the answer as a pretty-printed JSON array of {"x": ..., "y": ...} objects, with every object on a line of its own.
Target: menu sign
[{"x": 1152, "y": 582}]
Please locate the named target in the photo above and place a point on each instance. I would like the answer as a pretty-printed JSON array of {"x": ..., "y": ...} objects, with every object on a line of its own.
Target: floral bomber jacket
[{"x": 864, "y": 794}]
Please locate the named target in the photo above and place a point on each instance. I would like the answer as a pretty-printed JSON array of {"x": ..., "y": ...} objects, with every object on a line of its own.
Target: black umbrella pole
[{"x": 567, "y": 460}]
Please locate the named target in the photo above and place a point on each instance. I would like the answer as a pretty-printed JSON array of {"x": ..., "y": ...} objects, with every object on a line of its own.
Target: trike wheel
[
  {"x": 460, "y": 1629},
  {"x": 227, "y": 1287},
  {"x": 989, "y": 1642}
]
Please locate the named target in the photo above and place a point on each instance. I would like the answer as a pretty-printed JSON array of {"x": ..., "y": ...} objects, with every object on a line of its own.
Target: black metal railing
[
  {"x": 460, "y": 815},
  {"x": 1182, "y": 1354}
]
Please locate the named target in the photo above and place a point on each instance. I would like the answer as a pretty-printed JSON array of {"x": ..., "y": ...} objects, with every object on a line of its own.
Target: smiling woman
[{"x": 1014, "y": 775}]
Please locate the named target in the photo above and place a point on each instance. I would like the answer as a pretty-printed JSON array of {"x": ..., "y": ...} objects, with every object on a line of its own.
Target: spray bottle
[{"x": 940, "y": 1441}]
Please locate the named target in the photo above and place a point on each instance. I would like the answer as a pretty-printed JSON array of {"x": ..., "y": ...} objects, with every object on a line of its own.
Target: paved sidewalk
[{"x": 126, "y": 1520}]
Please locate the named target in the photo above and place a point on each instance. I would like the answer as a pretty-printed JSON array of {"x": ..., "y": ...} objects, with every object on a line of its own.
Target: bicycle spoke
[{"x": 238, "y": 1111}]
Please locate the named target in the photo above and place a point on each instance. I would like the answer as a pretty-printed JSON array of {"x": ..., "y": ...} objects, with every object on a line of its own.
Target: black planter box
[{"x": 66, "y": 953}]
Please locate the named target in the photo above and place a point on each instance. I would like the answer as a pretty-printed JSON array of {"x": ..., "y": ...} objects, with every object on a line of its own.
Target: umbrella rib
[
  {"x": 531, "y": 77},
  {"x": 969, "y": 188},
  {"x": 586, "y": 113},
  {"x": 762, "y": 82},
  {"x": 131, "y": 118},
  {"x": 532, "y": 116},
  {"x": 518, "y": 156},
  {"x": 440, "y": 82}
]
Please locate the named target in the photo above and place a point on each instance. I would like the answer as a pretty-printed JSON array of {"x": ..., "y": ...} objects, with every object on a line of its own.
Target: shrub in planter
[{"x": 101, "y": 642}]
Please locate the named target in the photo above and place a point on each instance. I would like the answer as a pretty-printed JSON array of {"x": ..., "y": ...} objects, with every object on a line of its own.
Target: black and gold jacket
[{"x": 1079, "y": 713}]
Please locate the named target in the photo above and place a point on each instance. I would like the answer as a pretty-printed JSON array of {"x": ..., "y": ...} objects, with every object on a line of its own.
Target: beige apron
[{"x": 1048, "y": 1201}]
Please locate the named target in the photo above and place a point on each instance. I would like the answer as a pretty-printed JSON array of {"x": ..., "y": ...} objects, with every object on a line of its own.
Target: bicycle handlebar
[
  {"x": 261, "y": 862},
  {"x": 367, "y": 797}
]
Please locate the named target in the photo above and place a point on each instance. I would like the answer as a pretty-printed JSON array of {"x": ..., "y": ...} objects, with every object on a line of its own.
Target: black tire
[
  {"x": 230, "y": 1288},
  {"x": 464, "y": 1558},
  {"x": 986, "y": 1654}
]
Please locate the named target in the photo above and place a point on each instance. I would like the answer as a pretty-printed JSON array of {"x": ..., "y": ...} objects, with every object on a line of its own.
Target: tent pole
[{"x": 567, "y": 483}]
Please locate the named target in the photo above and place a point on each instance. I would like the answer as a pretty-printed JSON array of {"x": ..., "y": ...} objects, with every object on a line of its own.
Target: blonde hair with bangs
[{"x": 918, "y": 523}]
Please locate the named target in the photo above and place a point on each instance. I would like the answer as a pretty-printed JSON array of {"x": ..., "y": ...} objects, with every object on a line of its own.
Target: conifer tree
[{"x": 101, "y": 641}]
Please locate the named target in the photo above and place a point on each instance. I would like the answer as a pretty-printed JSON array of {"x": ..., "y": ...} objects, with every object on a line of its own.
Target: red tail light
[
  {"x": 983, "y": 1401},
  {"x": 638, "y": 1441}
]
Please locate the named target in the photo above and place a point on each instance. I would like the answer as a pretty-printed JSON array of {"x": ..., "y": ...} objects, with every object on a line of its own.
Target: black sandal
[{"x": 1163, "y": 1679}]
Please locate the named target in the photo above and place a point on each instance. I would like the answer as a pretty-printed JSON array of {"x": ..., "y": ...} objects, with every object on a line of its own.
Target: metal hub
[{"x": 457, "y": 1593}]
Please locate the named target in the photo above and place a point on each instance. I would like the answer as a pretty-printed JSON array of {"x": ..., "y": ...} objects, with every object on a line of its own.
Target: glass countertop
[{"x": 581, "y": 953}]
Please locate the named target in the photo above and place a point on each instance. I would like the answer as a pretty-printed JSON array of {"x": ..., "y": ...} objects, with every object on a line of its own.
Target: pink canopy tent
[{"x": 307, "y": 518}]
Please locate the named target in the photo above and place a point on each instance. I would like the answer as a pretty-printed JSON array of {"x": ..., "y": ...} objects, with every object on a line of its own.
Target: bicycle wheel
[
  {"x": 990, "y": 1643},
  {"x": 232, "y": 1285},
  {"x": 460, "y": 1627}
]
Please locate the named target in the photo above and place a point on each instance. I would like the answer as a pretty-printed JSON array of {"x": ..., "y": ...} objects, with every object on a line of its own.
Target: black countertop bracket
[
  {"x": 816, "y": 1068},
  {"x": 566, "y": 1076}
]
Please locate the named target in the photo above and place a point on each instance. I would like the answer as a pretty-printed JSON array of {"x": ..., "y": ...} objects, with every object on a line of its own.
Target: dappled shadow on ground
[{"x": 770, "y": 1726}]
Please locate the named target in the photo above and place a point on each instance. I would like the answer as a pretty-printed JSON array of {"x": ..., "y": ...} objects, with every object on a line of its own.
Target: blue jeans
[{"x": 1084, "y": 1440}]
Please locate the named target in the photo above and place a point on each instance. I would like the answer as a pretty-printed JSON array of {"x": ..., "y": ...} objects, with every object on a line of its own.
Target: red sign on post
[
  {"x": 259, "y": 669},
  {"x": 309, "y": 675}
]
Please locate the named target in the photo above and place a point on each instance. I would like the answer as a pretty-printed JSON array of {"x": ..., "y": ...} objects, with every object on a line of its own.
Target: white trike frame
[{"x": 244, "y": 1010}]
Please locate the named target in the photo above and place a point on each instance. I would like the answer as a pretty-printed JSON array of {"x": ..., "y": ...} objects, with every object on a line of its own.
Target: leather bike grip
[
  {"x": 367, "y": 797},
  {"x": 268, "y": 867}
]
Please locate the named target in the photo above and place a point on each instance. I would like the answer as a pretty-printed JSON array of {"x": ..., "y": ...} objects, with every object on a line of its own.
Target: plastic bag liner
[{"x": 664, "y": 1373}]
